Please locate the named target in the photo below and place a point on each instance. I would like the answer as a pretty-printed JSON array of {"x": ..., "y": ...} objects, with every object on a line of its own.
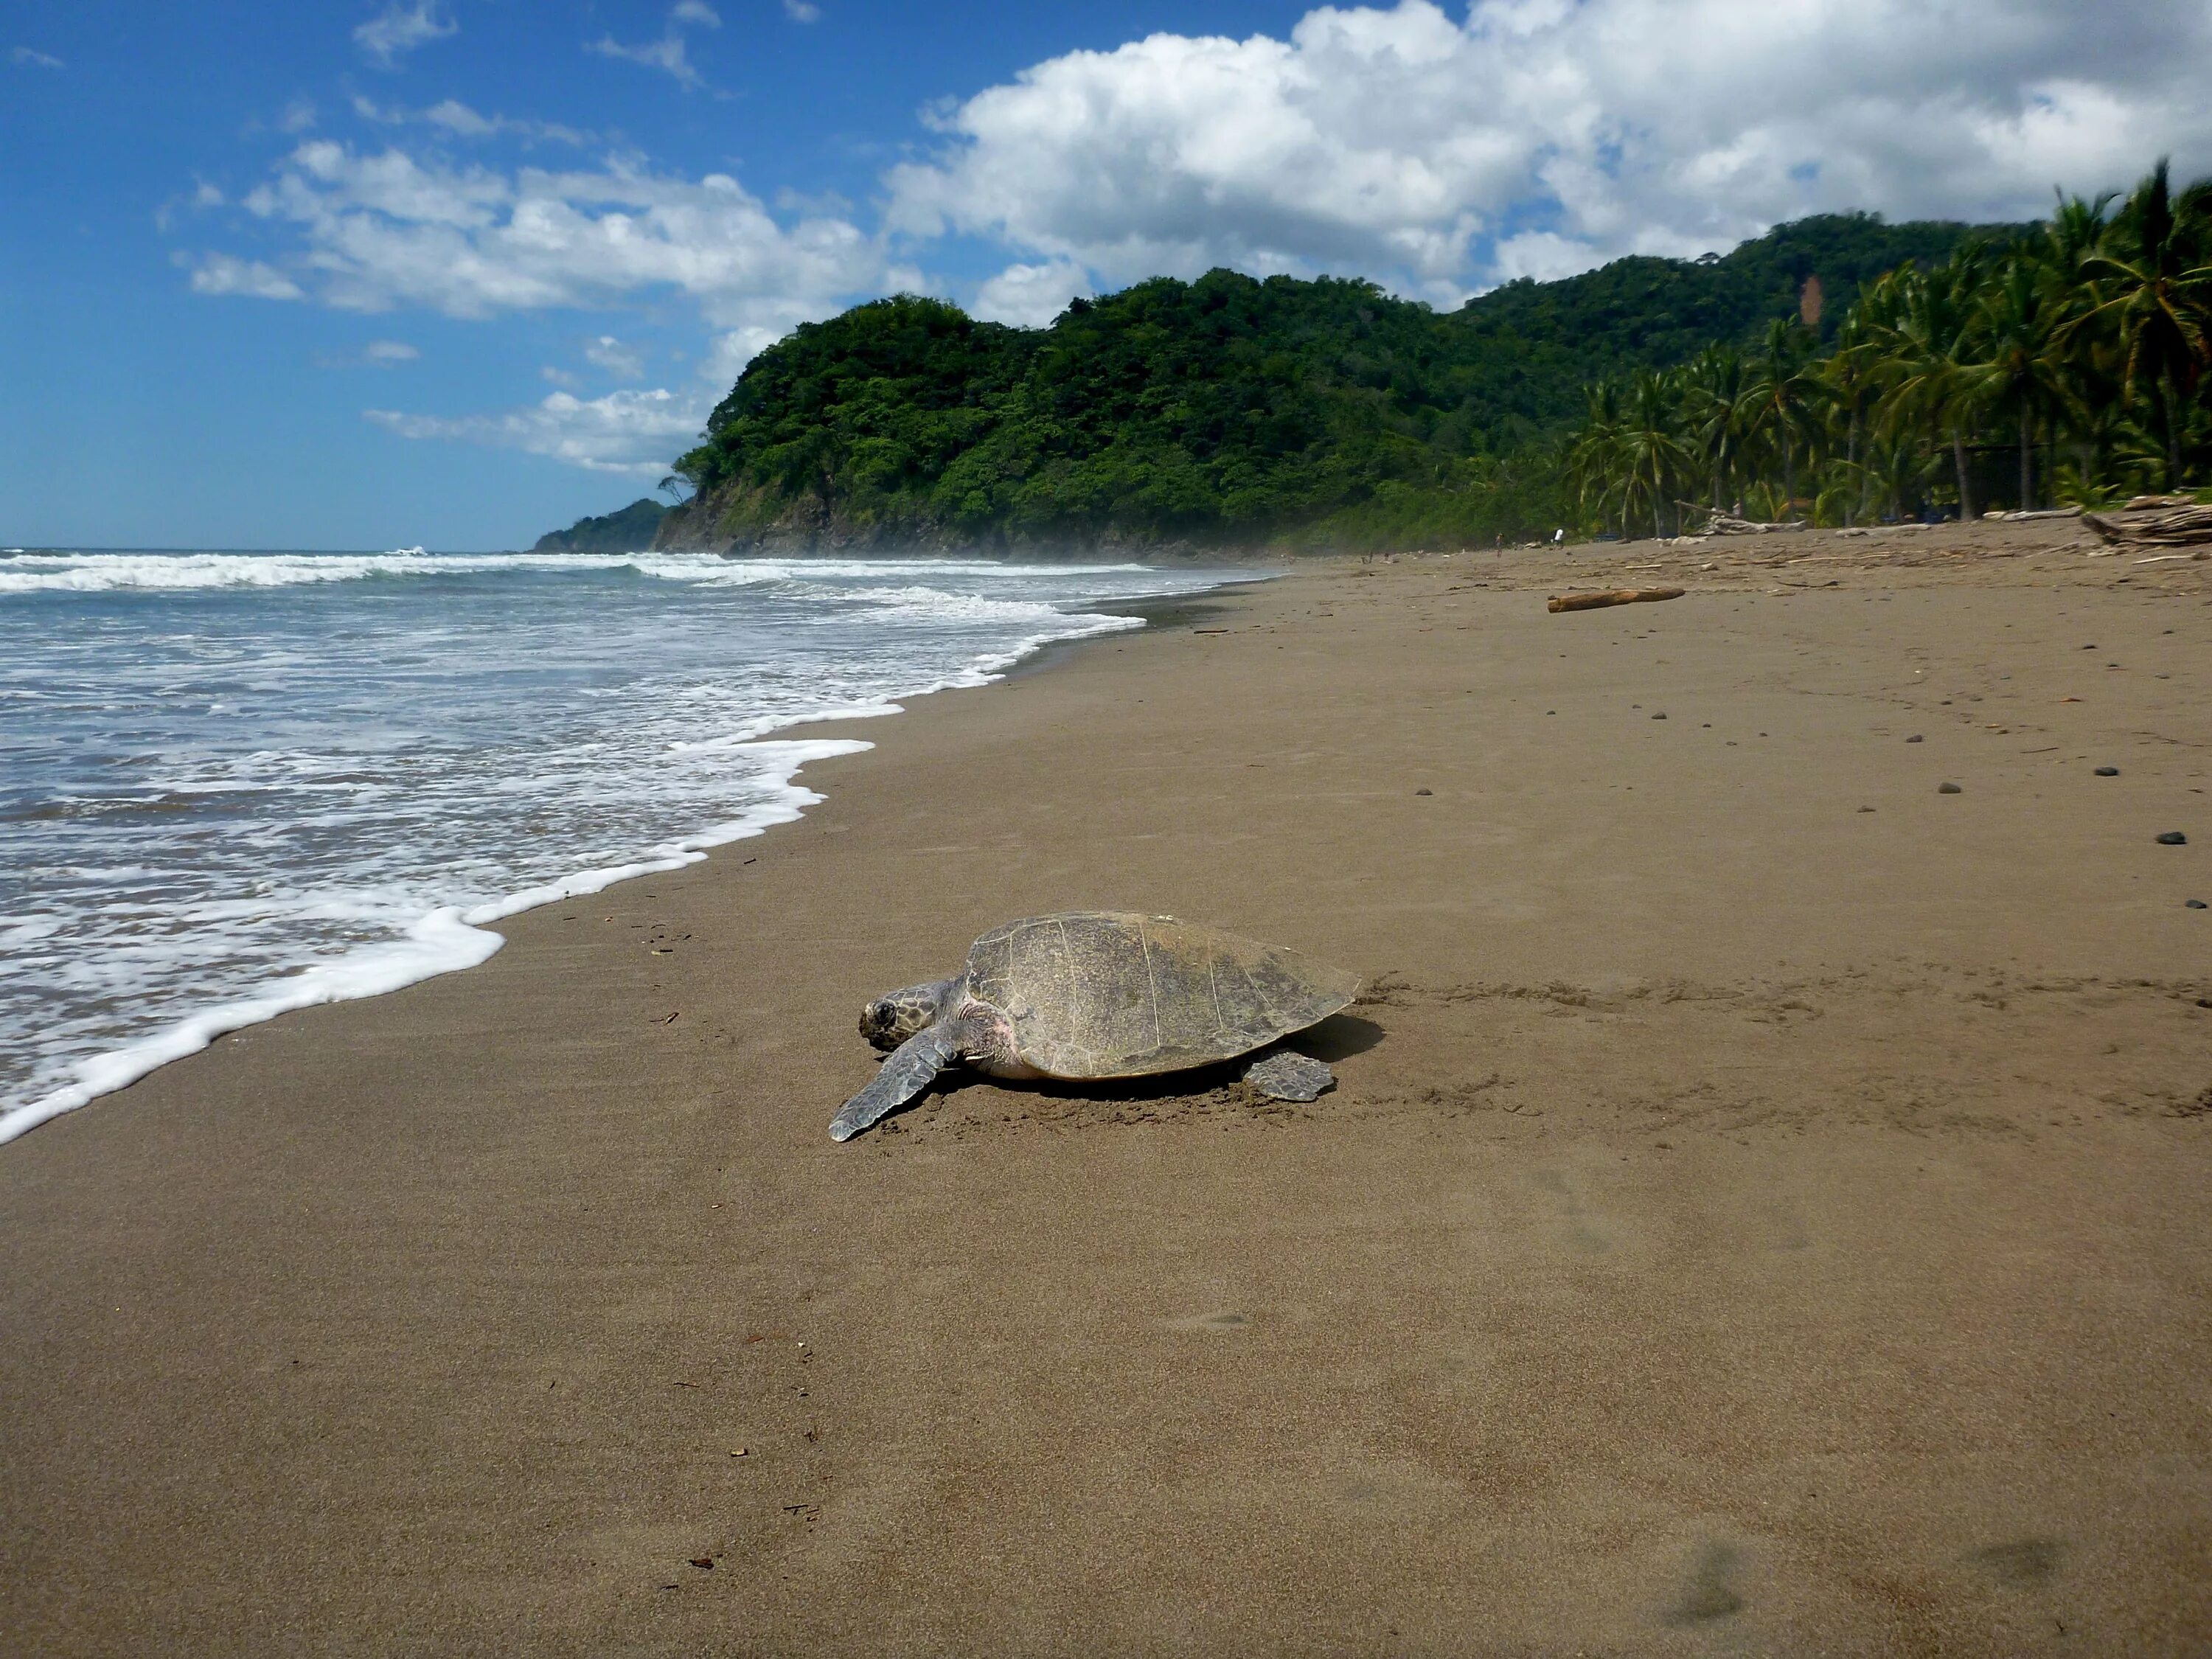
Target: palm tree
[
  {"x": 1780, "y": 400},
  {"x": 1718, "y": 414},
  {"x": 1654, "y": 459},
  {"x": 1594, "y": 460},
  {"x": 2022, "y": 364},
  {"x": 1850, "y": 381},
  {"x": 2159, "y": 273},
  {"x": 1923, "y": 334}
]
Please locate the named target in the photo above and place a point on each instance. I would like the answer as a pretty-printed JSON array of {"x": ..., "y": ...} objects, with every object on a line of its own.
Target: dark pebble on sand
[
  {"x": 1658, "y": 717},
  {"x": 1948, "y": 789},
  {"x": 2193, "y": 904},
  {"x": 2108, "y": 771},
  {"x": 2173, "y": 838},
  {"x": 1916, "y": 738},
  {"x": 1424, "y": 792},
  {"x": 1866, "y": 809}
]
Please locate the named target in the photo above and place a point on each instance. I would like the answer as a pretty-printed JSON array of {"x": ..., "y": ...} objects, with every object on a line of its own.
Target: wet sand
[{"x": 1747, "y": 1222}]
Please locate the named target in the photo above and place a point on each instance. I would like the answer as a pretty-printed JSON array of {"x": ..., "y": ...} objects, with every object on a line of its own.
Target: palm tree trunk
[
  {"x": 2027, "y": 465},
  {"x": 1851, "y": 467},
  {"x": 1959, "y": 460},
  {"x": 2172, "y": 436}
]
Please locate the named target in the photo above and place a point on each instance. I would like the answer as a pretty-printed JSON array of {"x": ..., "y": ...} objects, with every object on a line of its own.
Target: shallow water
[{"x": 237, "y": 783}]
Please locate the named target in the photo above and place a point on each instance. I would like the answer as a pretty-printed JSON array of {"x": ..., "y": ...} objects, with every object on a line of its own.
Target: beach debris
[
  {"x": 705, "y": 1563},
  {"x": 1658, "y": 717},
  {"x": 2173, "y": 838},
  {"x": 1085, "y": 995},
  {"x": 1916, "y": 738},
  {"x": 1727, "y": 524},
  {"x": 1424, "y": 792},
  {"x": 1618, "y": 596},
  {"x": 738, "y": 1451},
  {"x": 1285, "y": 1075},
  {"x": 2153, "y": 521},
  {"x": 2108, "y": 772},
  {"x": 2193, "y": 904},
  {"x": 1948, "y": 789}
]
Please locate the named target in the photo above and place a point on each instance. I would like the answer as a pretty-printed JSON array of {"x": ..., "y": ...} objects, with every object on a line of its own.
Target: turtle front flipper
[{"x": 912, "y": 1068}]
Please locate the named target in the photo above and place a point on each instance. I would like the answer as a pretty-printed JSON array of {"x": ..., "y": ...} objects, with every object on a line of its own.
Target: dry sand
[{"x": 1747, "y": 1223}]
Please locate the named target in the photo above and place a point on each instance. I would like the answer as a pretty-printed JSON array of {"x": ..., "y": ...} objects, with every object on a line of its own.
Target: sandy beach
[{"x": 1764, "y": 1209}]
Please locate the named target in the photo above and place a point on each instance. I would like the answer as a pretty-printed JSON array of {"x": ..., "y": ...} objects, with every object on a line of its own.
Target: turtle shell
[{"x": 1095, "y": 993}]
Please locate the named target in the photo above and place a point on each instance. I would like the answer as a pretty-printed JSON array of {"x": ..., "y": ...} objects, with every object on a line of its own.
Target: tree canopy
[
  {"x": 1234, "y": 410},
  {"x": 2069, "y": 364}
]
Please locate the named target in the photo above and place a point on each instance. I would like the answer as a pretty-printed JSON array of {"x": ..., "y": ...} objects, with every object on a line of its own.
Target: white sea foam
[{"x": 443, "y": 941}]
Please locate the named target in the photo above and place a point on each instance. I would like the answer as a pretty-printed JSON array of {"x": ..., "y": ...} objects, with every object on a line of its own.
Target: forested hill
[
  {"x": 1230, "y": 412},
  {"x": 628, "y": 531}
]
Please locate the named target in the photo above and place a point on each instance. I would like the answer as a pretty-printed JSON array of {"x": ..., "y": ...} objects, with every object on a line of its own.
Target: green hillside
[
  {"x": 1227, "y": 412},
  {"x": 630, "y": 531}
]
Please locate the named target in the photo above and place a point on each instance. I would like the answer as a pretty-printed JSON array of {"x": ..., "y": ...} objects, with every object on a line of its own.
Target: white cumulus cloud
[
  {"x": 1439, "y": 153},
  {"x": 398, "y": 29},
  {"x": 1031, "y": 295},
  {"x": 633, "y": 433},
  {"x": 373, "y": 231}
]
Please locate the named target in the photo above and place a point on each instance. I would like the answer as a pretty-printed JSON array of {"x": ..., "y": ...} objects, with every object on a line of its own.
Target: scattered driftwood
[
  {"x": 2039, "y": 513},
  {"x": 2170, "y": 521},
  {"x": 1724, "y": 523},
  {"x": 1618, "y": 596}
]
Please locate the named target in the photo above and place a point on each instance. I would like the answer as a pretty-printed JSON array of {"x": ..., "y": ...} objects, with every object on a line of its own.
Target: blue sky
[{"x": 455, "y": 271}]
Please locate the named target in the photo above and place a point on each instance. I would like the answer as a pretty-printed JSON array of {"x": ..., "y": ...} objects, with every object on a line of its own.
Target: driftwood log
[
  {"x": 2164, "y": 524},
  {"x": 1618, "y": 596}
]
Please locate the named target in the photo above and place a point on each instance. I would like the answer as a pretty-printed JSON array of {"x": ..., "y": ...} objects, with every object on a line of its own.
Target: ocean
[{"x": 232, "y": 784}]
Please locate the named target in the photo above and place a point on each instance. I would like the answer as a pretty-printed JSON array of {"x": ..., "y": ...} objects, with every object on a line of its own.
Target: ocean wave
[
  {"x": 443, "y": 941},
  {"x": 54, "y": 572}
]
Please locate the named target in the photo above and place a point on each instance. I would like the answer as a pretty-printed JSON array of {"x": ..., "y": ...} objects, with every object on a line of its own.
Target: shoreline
[
  {"x": 1742, "y": 1218},
  {"x": 453, "y": 939}
]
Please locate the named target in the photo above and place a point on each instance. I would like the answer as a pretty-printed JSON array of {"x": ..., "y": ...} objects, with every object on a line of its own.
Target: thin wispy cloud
[
  {"x": 631, "y": 433},
  {"x": 221, "y": 273},
  {"x": 33, "y": 57},
  {"x": 457, "y": 120},
  {"x": 670, "y": 53},
  {"x": 399, "y": 28},
  {"x": 624, "y": 362},
  {"x": 802, "y": 11}
]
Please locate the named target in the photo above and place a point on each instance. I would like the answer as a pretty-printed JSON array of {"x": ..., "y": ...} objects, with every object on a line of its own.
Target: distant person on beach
[{"x": 1558, "y": 536}]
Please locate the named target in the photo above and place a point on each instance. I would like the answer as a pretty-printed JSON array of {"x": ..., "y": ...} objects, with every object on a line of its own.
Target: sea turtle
[{"x": 1097, "y": 994}]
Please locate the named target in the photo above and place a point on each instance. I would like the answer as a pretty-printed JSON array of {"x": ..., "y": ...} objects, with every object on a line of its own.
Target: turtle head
[{"x": 889, "y": 1021}]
